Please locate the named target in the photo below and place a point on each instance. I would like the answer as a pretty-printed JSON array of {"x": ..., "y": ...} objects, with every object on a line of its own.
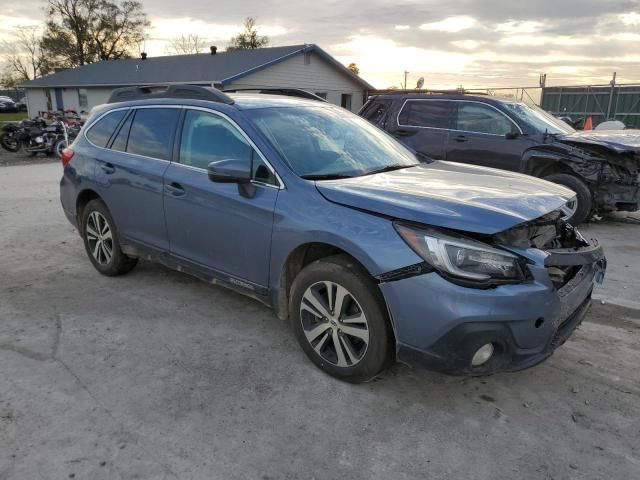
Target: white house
[{"x": 306, "y": 67}]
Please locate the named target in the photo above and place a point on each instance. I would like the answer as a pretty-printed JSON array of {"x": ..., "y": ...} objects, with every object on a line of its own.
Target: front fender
[
  {"x": 537, "y": 160},
  {"x": 303, "y": 216}
]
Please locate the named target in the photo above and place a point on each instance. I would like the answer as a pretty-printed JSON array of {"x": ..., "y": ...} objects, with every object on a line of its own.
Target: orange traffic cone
[{"x": 588, "y": 124}]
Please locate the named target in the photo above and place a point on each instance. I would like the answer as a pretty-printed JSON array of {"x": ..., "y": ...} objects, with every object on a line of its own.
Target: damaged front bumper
[{"x": 440, "y": 325}]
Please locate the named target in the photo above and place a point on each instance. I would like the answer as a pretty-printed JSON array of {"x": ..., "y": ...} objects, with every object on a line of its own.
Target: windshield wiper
[
  {"x": 326, "y": 176},
  {"x": 388, "y": 168}
]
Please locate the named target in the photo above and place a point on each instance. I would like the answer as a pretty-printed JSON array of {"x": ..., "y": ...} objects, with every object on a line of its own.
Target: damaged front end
[
  {"x": 566, "y": 250},
  {"x": 612, "y": 174},
  {"x": 448, "y": 323}
]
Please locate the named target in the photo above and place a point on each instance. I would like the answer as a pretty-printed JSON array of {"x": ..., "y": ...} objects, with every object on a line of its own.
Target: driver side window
[
  {"x": 478, "y": 118},
  {"x": 207, "y": 138}
]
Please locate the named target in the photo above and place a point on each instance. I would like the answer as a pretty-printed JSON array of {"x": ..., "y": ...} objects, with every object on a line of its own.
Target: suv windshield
[
  {"x": 538, "y": 119},
  {"x": 323, "y": 142}
]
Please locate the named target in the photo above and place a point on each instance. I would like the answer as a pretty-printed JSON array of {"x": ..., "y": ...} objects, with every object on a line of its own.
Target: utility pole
[
  {"x": 613, "y": 89},
  {"x": 405, "y": 79}
]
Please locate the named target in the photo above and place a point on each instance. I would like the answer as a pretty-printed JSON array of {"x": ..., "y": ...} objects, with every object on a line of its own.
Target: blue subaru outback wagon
[{"x": 372, "y": 252}]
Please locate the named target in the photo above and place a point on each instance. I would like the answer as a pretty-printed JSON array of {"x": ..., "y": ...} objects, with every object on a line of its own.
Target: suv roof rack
[
  {"x": 455, "y": 91},
  {"x": 290, "y": 92},
  {"x": 194, "y": 92}
]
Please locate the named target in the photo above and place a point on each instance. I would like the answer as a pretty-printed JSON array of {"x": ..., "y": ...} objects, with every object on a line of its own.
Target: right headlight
[{"x": 463, "y": 258}]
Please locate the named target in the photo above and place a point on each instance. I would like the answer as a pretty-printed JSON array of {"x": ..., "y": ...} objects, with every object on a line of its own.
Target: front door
[
  {"x": 218, "y": 225},
  {"x": 422, "y": 124},
  {"x": 483, "y": 135}
]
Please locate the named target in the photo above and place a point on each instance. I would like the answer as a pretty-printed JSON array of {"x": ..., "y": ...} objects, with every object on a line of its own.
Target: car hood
[
  {"x": 450, "y": 195},
  {"x": 617, "y": 140}
]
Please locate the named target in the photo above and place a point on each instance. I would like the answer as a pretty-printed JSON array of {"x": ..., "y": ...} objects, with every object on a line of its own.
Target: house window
[
  {"x": 82, "y": 98},
  {"x": 345, "y": 101},
  {"x": 322, "y": 95}
]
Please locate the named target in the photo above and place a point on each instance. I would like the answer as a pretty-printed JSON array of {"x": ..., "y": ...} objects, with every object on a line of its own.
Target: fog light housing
[{"x": 482, "y": 355}]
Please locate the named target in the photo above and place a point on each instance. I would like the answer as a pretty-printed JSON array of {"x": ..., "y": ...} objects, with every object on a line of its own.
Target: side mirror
[
  {"x": 512, "y": 135},
  {"x": 230, "y": 170}
]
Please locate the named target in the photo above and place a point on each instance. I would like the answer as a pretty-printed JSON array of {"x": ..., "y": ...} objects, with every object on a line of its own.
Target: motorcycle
[{"x": 35, "y": 136}]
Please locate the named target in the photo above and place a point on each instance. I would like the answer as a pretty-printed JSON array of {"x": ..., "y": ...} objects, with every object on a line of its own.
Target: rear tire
[
  {"x": 340, "y": 319},
  {"x": 101, "y": 240},
  {"x": 582, "y": 212},
  {"x": 9, "y": 144}
]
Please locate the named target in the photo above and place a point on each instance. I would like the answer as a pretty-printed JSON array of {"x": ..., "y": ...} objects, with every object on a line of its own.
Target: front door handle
[
  {"x": 108, "y": 168},
  {"x": 460, "y": 138},
  {"x": 174, "y": 189}
]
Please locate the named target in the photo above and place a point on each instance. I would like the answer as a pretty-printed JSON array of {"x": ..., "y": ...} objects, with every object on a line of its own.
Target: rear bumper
[{"x": 440, "y": 325}]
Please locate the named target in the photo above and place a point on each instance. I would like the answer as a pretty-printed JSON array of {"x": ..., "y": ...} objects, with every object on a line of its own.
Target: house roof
[{"x": 224, "y": 67}]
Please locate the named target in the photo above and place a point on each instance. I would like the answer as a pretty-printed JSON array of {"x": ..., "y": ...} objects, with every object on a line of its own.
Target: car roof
[{"x": 442, "y": 96}]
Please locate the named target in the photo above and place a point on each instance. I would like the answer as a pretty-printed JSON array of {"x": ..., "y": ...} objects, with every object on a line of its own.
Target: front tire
[
  {"x": 340, "y": 320},
  {"x": 101, "y": 241},
  {"x": 579, "y": 212}
]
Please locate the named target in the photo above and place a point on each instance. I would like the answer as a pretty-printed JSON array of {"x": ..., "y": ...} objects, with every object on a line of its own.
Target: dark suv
[{"x": 601, "y": 167}]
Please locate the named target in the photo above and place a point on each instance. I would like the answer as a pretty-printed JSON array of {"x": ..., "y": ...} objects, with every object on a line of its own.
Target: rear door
[
  {"x": 212, "y": 224},
  {"x": 483, "y": 135},
  {"x": 423, "y": 125},
  {"x": 130, "y": 173}
]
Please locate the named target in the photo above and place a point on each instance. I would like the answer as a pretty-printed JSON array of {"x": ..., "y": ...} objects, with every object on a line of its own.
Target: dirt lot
[{"x": 156, "y": 375}]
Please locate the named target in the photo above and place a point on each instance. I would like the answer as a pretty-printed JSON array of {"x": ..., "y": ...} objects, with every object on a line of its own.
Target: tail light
[{"x": 67, "y": 155}]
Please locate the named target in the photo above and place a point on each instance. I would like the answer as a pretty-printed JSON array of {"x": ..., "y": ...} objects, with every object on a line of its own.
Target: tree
[
  {"x": 249, "y": 38},
  {"x": 354, "y": 68},
  {"x": 85, "y": 31},
  {"x": 24, "y": 58},
  {"x": 185, "y": 45}
]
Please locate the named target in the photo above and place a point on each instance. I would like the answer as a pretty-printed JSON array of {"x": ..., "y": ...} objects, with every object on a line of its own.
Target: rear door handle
[
  {"x": 174, "y": 189},
  {"x": 460, "y": 138},
  {"x": 402, "y": 133},
  {"x": 108, "y": 168}
]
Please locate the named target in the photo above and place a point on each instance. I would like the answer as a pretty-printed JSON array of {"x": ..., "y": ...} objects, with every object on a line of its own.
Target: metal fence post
[{"x": 613, "y": 88}]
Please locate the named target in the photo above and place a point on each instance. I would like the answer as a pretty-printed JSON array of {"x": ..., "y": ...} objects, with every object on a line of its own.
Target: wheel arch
[
  {"x": 300, "y": 257},
  {"x": 541, "y": 163},
  {"x": 83, "y": 198}
]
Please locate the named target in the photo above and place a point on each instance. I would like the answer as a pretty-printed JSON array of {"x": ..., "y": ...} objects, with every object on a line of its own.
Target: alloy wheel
[
  {"x": 569, "y": 209},
  {"x": 334, "y": 324},
  {"x": 99, "y": 238}
]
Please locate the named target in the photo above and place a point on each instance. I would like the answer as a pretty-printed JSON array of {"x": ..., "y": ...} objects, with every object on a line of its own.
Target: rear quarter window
[
  {"x": 426, "y": 113},
  {"x": 101, "y": 131}
]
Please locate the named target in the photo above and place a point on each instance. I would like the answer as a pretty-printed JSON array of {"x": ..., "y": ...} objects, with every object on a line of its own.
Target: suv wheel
[
  {"x": 578, "y": 210},
  {"x": 340, "y": 320},
  {"x": 101, "y": 241}
]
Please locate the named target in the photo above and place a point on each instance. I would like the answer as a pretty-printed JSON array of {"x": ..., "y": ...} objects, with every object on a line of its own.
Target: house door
[{"x": 59, "y": 103}]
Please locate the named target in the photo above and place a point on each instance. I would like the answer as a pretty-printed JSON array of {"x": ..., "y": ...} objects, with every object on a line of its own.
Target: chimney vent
[
  {"x": 143, "y": 55},
  {"x": 213, "y": 49}
]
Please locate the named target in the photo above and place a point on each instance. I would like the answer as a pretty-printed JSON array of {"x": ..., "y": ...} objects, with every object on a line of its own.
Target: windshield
[
  {"x": 538, "y": 119},
  {"x": 321, "y": 143}
]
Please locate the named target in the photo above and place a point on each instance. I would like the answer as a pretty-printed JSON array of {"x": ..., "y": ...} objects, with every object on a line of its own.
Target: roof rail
[
  {"x": 290, "y": 92},
  {"x": 458, "y": 91},
  {"x": 193, "y": 92}
]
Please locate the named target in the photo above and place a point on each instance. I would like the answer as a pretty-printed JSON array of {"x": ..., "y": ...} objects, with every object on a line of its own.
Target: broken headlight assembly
[{"x": 463, "y": 260}]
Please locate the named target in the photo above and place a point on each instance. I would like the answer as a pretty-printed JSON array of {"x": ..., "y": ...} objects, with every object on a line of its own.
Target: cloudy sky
[{"x": 458, "y": 42}]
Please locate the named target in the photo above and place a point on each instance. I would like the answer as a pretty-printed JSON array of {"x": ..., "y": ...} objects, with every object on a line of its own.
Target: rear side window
[
  {"x": 426, "y": 113},
  {"x": 151, "y": 132},
  {"x": 101, "y": 131}
]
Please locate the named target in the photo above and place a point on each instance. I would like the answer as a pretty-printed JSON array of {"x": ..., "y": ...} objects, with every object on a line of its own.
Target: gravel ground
[{"x": 155, "y": 375}]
